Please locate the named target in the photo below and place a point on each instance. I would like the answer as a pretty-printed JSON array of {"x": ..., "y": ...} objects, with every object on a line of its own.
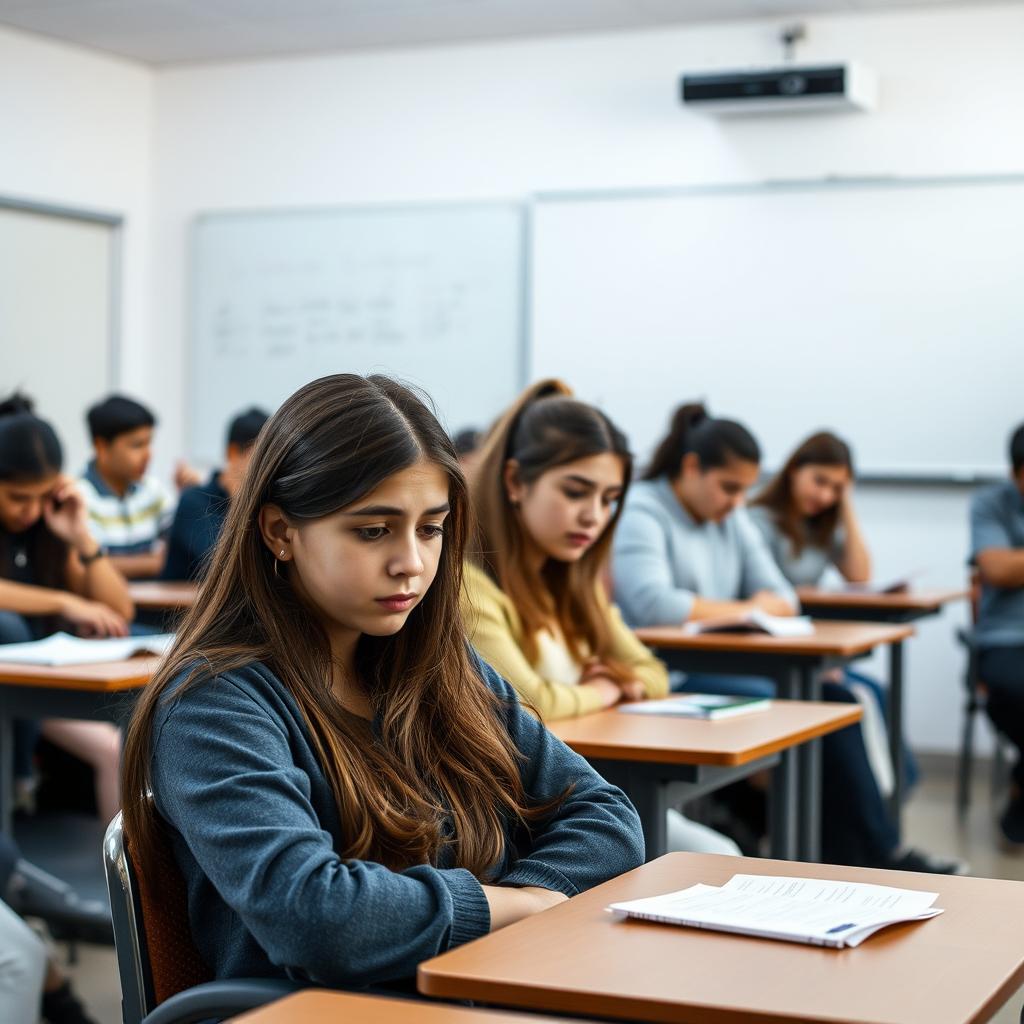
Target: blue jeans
[
  {"x": 911, "y": 771},
  {"x": 856, "y": 827}
]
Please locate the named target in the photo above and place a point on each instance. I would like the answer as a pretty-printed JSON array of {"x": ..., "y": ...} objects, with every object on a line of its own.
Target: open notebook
[
  {"x": 811, "y": 910},
  {"x": 711, "y": 706},
  {"x": 755, "y": 621},
  {"x": 64, "y": 649}
]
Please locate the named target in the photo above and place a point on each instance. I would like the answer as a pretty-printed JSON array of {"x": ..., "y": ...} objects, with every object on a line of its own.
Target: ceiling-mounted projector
[{"x": 779, "y": 90}]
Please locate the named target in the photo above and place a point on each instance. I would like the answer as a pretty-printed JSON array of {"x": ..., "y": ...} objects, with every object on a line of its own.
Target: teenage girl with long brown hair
[
  {"x": 547, "y": 490},
  {"x": 345, "y": 787}
]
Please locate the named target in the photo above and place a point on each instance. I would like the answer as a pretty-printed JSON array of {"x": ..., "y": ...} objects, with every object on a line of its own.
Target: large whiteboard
[
  {"x": 433, "y": 294},
  {"x": 891, "y": 311}
]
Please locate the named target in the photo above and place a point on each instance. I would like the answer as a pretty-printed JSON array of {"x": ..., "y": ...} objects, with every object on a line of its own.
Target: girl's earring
[{"x": 275, "y": 564}]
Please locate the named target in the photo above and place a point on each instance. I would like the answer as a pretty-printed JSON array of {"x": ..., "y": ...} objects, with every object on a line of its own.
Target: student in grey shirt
[
  {"x": 686, "y": 550},
  {"x": 997, "y": 547}
]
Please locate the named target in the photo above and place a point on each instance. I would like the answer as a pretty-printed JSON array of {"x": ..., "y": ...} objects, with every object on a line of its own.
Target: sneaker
[
  {"x": 62, "y": 1006},
  {"x": 1012, "y": 820},
  {"x": 912, "y": 859}
]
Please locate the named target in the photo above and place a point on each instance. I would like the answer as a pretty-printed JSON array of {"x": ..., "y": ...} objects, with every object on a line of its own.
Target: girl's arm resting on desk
[
  {"x": 592, "y": 836},
  {"x": 100, "y": 581},
  {"x": 224, "y": 777}
]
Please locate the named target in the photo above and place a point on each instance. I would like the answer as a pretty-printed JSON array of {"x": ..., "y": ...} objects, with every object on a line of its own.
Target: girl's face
[
  {"x": 714, "y": 494},
  {"x": 365, "y": 567},
  {"x": 22, "y": 504},
  {"x": 817, "y": 488},
  {"x": 566, "y": 509}
]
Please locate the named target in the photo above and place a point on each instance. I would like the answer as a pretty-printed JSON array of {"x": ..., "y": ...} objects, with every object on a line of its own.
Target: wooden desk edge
[
  {"x": 599, "y": 749},
  {"x": 671, "y": 638}
]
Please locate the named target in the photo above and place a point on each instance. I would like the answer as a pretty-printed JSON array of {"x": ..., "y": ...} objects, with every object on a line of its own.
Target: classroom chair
[
  {"x": 163, "y": 978},
  {"x": 976, "y": 692}
]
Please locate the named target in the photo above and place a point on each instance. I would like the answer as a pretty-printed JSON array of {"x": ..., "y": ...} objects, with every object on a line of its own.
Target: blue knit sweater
[{"x": 255, "y": 831}]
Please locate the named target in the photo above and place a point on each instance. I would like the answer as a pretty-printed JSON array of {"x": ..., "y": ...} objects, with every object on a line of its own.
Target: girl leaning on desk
[
  {"x": 345, "y": 786},
  {"x": 547, "y": 489},
  {"x": 686, "y": 550},
  {"x": 54, "y": 575}
]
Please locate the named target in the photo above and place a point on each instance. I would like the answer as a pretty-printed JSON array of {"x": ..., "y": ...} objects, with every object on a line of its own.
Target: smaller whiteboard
[{"x": 431, "y": 294}]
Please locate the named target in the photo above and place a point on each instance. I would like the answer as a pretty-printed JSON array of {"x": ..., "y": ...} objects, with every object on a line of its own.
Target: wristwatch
[{"x": 87, "y": 560}]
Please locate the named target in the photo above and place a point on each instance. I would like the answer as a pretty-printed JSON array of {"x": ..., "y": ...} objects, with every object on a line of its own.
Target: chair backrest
[
  {"x": 156, "y": 957},
  {"x": 975, "y": 586}
]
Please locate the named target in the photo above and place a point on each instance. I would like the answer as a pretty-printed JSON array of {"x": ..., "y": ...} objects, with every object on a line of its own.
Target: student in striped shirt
[{"x": 129, "y": 511}]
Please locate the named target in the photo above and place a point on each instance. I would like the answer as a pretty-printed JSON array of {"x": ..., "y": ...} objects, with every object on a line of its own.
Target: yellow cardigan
[{"x": 495, "y": 629}]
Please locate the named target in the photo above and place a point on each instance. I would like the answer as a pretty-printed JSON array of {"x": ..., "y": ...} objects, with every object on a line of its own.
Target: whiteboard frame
[
  {"x": 521, "y": 207},
  {"x": 115, "y": 222},
  {"x": 828, "y": 183}
]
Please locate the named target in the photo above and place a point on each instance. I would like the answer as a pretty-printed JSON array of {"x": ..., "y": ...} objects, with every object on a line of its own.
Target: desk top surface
[
  {"x": 158, "y": 594},
  {"x": 829, "y": 639},
  {"x": 907, "y": 601},
  {"x": 958, "y": 967},
  {"x": 105, "y": 677},
  {"x": 665, "y": 739},
  {"x": 321, "y": 1006}
]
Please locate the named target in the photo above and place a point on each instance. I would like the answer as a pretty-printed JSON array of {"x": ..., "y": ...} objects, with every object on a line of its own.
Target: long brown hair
[
  {"x": 442, "y": 749},
  {"x": 716, "y": 442},
  {"x": 545, "y": 428},
  {"x": 821, "y": 449}
]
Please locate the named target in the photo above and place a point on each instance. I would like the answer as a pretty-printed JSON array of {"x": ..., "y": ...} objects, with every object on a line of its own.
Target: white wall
[{"x": 76, "y": 131}]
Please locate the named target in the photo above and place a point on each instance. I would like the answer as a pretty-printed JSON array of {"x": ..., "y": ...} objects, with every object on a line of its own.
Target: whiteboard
[
  {"x": 57, "y": 293},
  {"x": 433, "y": 294},
  {"x": 891, "y": 311}
]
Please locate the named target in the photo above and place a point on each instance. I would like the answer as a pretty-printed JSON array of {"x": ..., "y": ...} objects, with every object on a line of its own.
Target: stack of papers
[
  {"x": 755, "y": 621},
  {"x": 811, "y": 910},
  {"x": 65, "y": 649},
  {"x": 698, "y": 705}
]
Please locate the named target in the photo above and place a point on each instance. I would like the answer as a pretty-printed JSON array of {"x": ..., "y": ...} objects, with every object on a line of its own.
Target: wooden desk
[
  {"x": 795, "y": 664},
  {"x": 662, "y": 761},
  {"x": 155, "y": 594},
  {"x": 957, "y": 968},
  {"x": 902, "y": 607},
  {"x": 103, "y": 692},
  {"x": 321, "y": 1006}
]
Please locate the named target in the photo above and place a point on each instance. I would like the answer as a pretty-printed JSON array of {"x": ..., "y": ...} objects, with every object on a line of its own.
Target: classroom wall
[
  {"x": 76, "y": 130},
  {"x": 599, "y": 112}
]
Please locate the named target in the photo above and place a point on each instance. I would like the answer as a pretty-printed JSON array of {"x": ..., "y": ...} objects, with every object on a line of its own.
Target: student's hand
[
  {"x": 186, "y": 475},
  {"x": 92, "y": 618},
  {"x": 771, "y": 603},
  {"x": 67, "y": 517},
  {"x": 606, "y": 689},
  {"x": 633, "y": 690},
  {"x": 508, "y": 904}
]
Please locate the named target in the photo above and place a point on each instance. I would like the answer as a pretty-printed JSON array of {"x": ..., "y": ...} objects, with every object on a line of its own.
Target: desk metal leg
[
  {"x": 896, "y": 726},
  {"x": 785, "y": 807},
  {"x": 810, "y": 768},
  {"x": 651, "y": 804},
  {"x": 6, "y": 773}
]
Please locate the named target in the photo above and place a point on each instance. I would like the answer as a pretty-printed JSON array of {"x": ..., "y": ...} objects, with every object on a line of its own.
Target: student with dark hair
[
  {"x": 129, "y": 510},
  {"x": 346, "y": 788},
  {"x": 201, "y": 511},
  {"x": 686, "y": 550},
  {"x": 53, "y": 573},
  {"x": 807, "y": 517},
  {"x": 997, "y": 547},
  {"x": 547, "y": 494}
]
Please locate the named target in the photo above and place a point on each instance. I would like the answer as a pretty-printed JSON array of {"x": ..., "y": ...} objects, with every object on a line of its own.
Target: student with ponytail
[
  {"x": 53, "y": 574},
  {"x": 687, "y": 550},
  {"x": 346, "y": 788},
  {"x": 547, "y": 491}
]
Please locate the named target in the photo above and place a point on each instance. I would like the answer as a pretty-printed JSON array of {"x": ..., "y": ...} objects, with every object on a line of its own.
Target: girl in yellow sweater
[{"x": 547, "y": 492}]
